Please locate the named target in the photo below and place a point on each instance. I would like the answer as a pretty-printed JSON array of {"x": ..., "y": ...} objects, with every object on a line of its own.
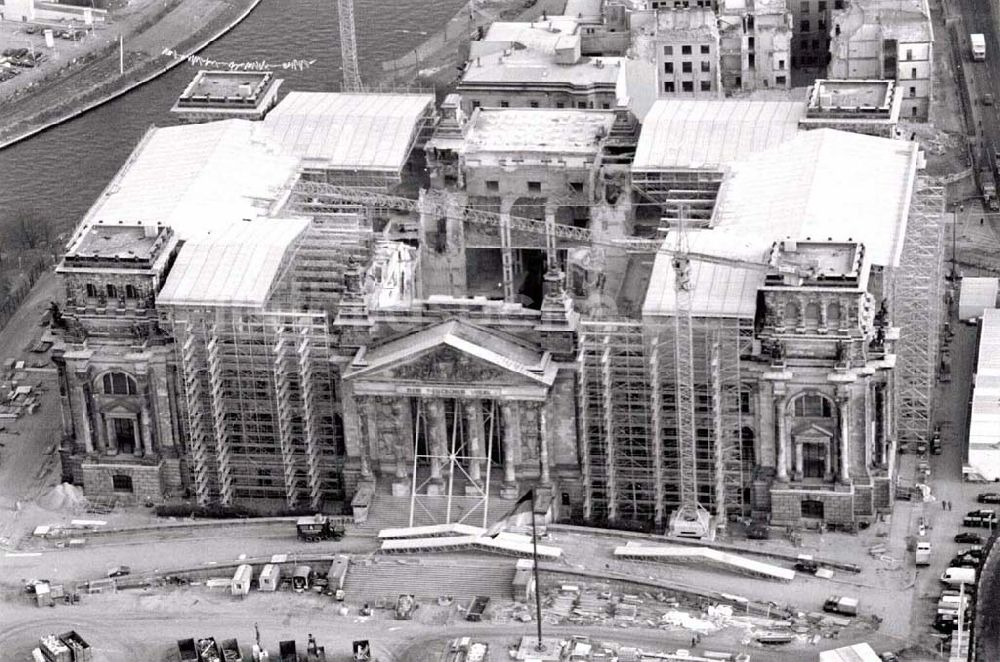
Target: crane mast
[{"x": 348, "y": 46}]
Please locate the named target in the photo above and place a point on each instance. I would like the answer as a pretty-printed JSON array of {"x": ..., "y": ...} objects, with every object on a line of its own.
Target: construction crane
[
  {"x": 348, "y": 46},
  {"x": 690, "y": 519}
]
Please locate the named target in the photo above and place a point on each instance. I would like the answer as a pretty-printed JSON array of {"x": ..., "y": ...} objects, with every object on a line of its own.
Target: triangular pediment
[
  {"x": 455, "y": 352},
  {"x": 812, "y": 430}
]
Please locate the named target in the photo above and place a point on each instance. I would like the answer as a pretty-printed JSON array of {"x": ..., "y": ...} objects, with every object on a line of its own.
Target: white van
[
  {"x": 953, "y": 601},
  {"x": 956, "y": 576}
]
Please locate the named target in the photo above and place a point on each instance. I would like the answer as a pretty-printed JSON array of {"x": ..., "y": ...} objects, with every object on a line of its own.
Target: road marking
[{"x": 12, "y": 555}]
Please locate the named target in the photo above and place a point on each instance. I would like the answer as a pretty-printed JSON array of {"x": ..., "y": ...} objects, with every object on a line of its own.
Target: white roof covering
[
  {"x": 984, "y": 422},
  {"x": 235, "y": 267},
  {"x": 706, "y": 555},
  {"x": 431, "y": 531},
  {"x": 512, "y": 544},
  {"x": 543, "y": 36},
  {"x": 535, "y": 68},
  {"x": 194, "y": 178},
  {"x": 537, "y": 130},
  {"x": 347, "y": 131},
  {"x": 691, "y": 133},
  {"x": 856, "y": 653},
  {"x": 821, "y": 184},
  {"x": 976, "y": 295}
]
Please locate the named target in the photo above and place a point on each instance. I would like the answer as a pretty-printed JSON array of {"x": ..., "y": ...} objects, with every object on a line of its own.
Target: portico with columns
[{"x": 456, "y": 407}]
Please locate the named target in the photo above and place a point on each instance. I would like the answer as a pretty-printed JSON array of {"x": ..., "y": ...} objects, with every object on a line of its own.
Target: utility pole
[{"x": 348, "y": 46}]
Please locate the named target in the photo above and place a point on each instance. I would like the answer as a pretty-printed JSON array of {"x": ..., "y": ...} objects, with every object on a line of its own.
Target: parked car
[
  {"x": 936, "y": 446},
  {"x": 757, "y": 531},
  {"x": 989, "y": 497},
  {"x": 974, "y": 551},
  {"x": 964, "y": 561},
  {"x": 982, "y": 517},
  {"x": 31, "y": 29},
  {"x": 987, "y": 99},
  {"x": 969, "y": 538},
  {"x": 119, "y": 571},
  {"x": 805, "y": 565}
]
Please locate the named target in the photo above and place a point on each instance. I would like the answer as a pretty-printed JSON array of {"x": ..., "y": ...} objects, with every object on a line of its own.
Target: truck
[
  {"x": 978, "y": 42},
  {"x": 837, "y": 604},
  {"x": 406, "y": 604},
  {"x": 318, "y": 527},
  {"x": 923, "y": 553},
  {"x": 477, "y": 608}
]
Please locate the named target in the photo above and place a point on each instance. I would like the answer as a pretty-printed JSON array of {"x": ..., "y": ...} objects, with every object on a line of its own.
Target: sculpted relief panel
[{"x": 449, "y": 365}]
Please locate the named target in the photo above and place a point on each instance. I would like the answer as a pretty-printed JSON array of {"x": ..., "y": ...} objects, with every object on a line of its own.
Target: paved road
[{"x": 979, "y": 17}]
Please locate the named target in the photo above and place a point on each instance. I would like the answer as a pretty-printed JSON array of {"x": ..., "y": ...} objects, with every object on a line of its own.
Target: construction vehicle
[
  {"x": 986, "y": 180},
  {"x": 406, "y": 604},
  {"x": 318, "y": 527},
  {"x": 690, "y": 519},
  {"x": 477, "y": 608},
  {"x": 841, "y": 605}
]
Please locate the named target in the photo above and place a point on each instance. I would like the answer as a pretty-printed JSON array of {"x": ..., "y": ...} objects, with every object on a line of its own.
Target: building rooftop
[
  {"x": 543, "y": 36},
  {"x": 589, "y": 9},
  {"x": 689, "y": 20},
  {"x": 105, "y": 241},
  {"x": 683, "y": 133},
  {"x": 533, "y": 67},
  {"x": 348, "y": 131},
  {"x": 851, "y": 94},
  {"x": 236, "y": 85},
  {"x": 905, "y": 20},
  {"x": 758, "y": 7},
  {"x": 235, "y": 267},
  {"x": 194, "y": 179},
  {"x": 821, "y": 185},
  {"x": 537, "y": 130}
]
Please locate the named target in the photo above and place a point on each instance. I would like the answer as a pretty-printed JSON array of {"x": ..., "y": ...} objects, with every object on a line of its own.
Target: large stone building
[
  {"x": 755, "y": 45},
  {"x": 275, "y": 346},
  {"x": 682, "y": 48},
  {"x": 877, "y": 39}
]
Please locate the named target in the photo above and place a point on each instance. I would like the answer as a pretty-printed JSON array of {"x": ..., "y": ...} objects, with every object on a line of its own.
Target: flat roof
[
  {"x": 348, "y": 131},
  {"x": 195, "y": 178},
  {"x": 536, "y": 68},
  {"x": 227, "y": 84},
  {"x": 873, "y": 94},
  {"x": 583, "y": 8},
  {"x": 537, "y": 130},
  {"x": 977, "y": 295},
  {"x": 821, "y": 185},
  {"x": 691, "y": 133},
  {"x": 542, "y": 36},
  {"x": 235, "y": 267},
  {"x": 857, "y": 653},
  {"x": 115, "y": 241}
]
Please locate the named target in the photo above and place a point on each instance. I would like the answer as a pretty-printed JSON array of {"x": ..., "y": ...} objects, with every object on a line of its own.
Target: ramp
[{"x": 704, "y": 556}]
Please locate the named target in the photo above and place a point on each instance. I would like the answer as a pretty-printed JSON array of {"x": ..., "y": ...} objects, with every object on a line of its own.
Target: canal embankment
[{"x": 113, "y": 67}]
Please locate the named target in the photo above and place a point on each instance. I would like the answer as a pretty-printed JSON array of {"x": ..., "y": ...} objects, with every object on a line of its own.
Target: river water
[{"x": 54, "y": 177}]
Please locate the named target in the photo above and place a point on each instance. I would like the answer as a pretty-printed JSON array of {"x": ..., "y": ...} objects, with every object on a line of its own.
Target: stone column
[
  {"x": 823, "y": 303},
  {"x": 137, "y": 446},
  {"x": 402, "y": 441},
  {"x": 828, "y": 471},
  {"x": 474, "y": 439},
  {"x": 365, "y": 407},
  {"x": 85, "y": 431},
  {"x": 147, "y": 432},
  {"x": 509, "y": 488},
  {"x": 436, "y": 434},
  {"x": 543, "y": 445},
  {"x": 779, "y": 412},
  {"x": 109, "y": 428},
  {"x": 845, "y": 439},
  {"x": 799, "y": 474}
]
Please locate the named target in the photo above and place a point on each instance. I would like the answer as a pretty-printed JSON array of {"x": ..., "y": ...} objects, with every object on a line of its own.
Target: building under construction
[{"x": 713, "y": 314}]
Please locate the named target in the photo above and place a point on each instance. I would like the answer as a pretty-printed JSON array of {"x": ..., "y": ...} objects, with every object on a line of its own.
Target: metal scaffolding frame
[
  {"x": 633, "y": 465},
  {"x": 918, "y": 312}
]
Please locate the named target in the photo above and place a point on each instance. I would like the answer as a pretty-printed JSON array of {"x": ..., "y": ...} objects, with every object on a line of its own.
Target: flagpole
[{"x": 538, "y": 587}]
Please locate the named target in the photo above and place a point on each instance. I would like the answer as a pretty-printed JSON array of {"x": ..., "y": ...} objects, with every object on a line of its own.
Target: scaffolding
[
  {"x": 917, "y": 298},
  {"x": 633, "y": 460}
]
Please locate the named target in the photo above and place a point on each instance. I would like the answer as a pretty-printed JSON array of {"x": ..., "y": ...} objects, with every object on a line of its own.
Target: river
[{"x": 54, "y": 177}]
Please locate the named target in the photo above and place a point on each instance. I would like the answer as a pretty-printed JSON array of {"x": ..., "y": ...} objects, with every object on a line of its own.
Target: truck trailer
[{"x": 477, "y": 608}]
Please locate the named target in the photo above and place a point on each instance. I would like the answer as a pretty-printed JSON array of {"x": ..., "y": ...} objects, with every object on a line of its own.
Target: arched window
[
  {"x": 118, "y": 383},
  {"x": 112, "y": 291},
  {"x": 122, "y": 483},
  {"x": 813, "y": 405},
  {"x": 131, "y": 292},
  {"x": 812, "y": 314},
  {"x": 91, "y": 291},
  {"x": 833, "y": 315},
  {"x": 791, "y": 314}
]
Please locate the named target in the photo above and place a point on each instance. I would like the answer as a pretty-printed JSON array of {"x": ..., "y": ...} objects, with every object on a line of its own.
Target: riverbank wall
[{"x": 139, "y": 72}]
